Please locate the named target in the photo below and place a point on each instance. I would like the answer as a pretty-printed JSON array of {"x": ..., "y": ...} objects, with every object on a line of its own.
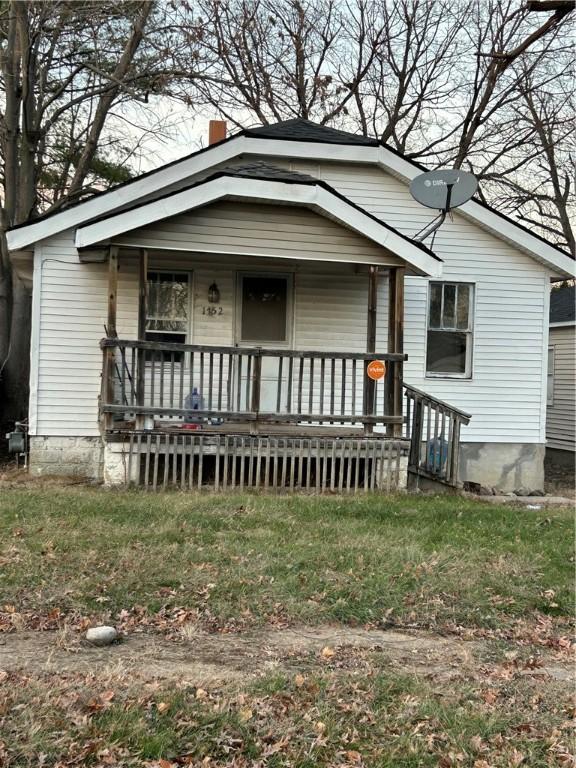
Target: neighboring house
[
  {"x": 244, "y": 291},
  {"x": 561, "y": 392}
]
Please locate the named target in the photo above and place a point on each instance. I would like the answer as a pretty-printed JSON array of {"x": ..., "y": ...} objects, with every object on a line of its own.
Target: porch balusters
[{"x": 155, "y": 380}]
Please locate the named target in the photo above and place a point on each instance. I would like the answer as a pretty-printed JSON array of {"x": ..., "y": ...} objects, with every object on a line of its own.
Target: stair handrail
[
  {"x": 442, "y": 441},
  {"x": 466, "y": 417}
]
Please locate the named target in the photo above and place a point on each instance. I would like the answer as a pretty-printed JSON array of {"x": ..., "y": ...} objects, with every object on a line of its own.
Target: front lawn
[
  {"x": 236, "y": 561},
  {"x": 483, "y": 595}
]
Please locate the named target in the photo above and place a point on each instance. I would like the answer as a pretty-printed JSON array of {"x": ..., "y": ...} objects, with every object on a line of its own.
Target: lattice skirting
[{"x": 237, "y": 462}]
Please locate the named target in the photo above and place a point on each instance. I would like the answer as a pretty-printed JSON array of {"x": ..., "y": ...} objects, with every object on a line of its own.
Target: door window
[{"x": 264, "y": 309}]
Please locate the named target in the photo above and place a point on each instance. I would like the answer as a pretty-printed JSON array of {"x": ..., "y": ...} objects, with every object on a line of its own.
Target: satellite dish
[{"x": 443, "y": 190}]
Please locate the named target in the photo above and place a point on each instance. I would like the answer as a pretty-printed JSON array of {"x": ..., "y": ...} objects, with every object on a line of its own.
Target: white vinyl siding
[
  {"x": 259, "y": 229},
  {"x": 561, "y": 418},
  {"x": 505, "y": 395},
  {"x": 71, "y": 317},
  {"x": 329, "y": 314}
]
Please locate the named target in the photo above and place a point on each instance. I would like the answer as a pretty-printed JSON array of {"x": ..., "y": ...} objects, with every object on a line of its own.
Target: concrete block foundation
[
  {"x": 75, "y": 456},
  {"x": 506, "y": 466}
]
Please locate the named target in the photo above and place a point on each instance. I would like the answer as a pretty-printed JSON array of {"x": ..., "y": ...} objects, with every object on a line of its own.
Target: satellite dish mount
[{"x": 443, "y": 190}]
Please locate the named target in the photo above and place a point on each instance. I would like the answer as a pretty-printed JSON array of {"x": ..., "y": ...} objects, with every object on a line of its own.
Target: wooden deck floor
[{"x": 244, "y": 428}]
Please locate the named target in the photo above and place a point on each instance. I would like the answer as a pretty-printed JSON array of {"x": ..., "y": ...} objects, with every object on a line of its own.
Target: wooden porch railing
[
  {"x": 433, "y": 428},
  {"x": 239, "y": 384}
]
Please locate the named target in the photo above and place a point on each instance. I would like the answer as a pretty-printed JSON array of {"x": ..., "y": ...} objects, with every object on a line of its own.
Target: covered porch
[
  {"x": 240, "y": 416},
  {"x": 195, "y": 415}
]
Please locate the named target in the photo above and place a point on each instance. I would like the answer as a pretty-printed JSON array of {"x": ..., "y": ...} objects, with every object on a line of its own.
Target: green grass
[
  {"x": 236, "y": 561},
  {"x": 379, "y": 720},
  {"x": 230, "y": 562}
]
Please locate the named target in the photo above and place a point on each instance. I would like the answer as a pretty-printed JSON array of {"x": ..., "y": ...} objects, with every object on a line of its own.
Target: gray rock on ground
[
  {"x": 522, "y": 492},
  {"x": 101, "y": 635}
]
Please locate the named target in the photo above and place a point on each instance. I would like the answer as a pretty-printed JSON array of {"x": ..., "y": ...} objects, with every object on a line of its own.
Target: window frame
[
  {"x": 175, "y": 271},
  {"x": 289, "y": 277},
  {"x": 468, "y": 373},
  {"x": 550, "y": 373}
]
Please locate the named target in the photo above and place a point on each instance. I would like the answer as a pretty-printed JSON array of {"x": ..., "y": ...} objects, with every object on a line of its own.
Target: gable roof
[
  {"x": 299, "y": 129},
  {"x": 267, "y": 183},
  {"x": 293, "y": 138},
  {"x": 563, "y": 304}
]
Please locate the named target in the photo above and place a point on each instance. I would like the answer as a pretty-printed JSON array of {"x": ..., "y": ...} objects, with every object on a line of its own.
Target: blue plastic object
[
  {"x": 437, "y": 454},
  {"x": 194, "y": 402}
]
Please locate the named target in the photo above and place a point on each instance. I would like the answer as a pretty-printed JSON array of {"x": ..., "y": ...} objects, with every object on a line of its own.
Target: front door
[{"x": 264, "y": 320}]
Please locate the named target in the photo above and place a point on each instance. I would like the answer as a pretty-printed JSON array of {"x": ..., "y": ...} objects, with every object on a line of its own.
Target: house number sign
[{"x": 212, "y": 311}]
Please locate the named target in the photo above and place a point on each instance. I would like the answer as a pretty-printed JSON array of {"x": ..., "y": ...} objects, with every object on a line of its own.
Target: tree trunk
[{"x": 15, "y": 377}]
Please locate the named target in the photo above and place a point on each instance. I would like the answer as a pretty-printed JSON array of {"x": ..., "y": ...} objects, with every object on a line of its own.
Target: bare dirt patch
[
  {"x": 215, "y": 659},
  {"x": 15, "y": 477}
]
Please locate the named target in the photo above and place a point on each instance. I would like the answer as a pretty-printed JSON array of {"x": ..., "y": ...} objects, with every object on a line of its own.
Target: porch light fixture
[{"x": 213, "y": 294}]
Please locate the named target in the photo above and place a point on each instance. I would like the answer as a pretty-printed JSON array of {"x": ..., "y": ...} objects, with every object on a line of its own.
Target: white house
[
  {"x": 561, "y": 392},
  {"x": 242, "y": 292}
]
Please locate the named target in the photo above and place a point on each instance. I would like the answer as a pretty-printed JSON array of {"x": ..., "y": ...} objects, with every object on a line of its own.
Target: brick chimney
[{"x": 216, "y": 131}]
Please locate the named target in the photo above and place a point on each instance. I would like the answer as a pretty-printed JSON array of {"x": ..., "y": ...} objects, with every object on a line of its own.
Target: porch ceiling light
[{"x": 213, "y": 294}]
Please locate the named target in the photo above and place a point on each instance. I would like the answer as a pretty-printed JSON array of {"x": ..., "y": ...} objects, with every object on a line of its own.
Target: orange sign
[{"x": 376, "y": 370}]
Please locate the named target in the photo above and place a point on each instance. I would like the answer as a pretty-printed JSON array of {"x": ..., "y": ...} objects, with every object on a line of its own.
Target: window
[
  {"x": 449, "y": 342},
  {"x": 264, "y": 309},
  {"x": 550, "y": 378},
  {"x": 168, "y": 307}
]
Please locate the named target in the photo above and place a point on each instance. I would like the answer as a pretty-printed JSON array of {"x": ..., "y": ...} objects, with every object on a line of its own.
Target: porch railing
[
  {"x": 433, "y": 428},
  {"x": 238, "y": 384}
]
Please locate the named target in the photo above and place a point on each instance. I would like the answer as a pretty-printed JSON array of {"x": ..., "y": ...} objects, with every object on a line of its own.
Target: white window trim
[
  {"x": 289, "y": 277},
  {"x": 175, "y": 271},
  {"x": 468, "y": 375},
  {"x": 550, "y": 397}
]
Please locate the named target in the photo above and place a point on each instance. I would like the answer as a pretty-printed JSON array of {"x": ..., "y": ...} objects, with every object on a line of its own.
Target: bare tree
[
  {"x": 415, "y": 76},
  {"x": 440, "y": 81},
  {"x": 549, "y": 205},
  {"x": 500, "y": 38},
  {"x": 269, "y": 61},
  {"x": 71, "y": 74}
]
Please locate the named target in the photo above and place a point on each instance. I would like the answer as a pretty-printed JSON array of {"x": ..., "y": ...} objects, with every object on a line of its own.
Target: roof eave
[
  {"x": 123, "y": 194},
  {"x": 221, "y": 186},
  {"x": 559, "y": 263}
]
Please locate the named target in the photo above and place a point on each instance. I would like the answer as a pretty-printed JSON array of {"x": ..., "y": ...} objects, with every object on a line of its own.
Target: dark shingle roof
[
  {"x": 261, "y": 170},
  {"x": 563, "y": 304},
  {"x": 304, "y": 130},
  {"x": 297, "y": 129}
]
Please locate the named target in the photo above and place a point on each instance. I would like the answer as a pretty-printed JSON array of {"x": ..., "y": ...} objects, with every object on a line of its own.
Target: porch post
[
  {"x": 109, "y": 358},
  {"x": 370, "y": 384},
  {"x": 142, "y": 313},
  {"x": 394, "y": 374},
  {"x": 112, "y": 290},
  {"x": 142, "y": 293}
]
